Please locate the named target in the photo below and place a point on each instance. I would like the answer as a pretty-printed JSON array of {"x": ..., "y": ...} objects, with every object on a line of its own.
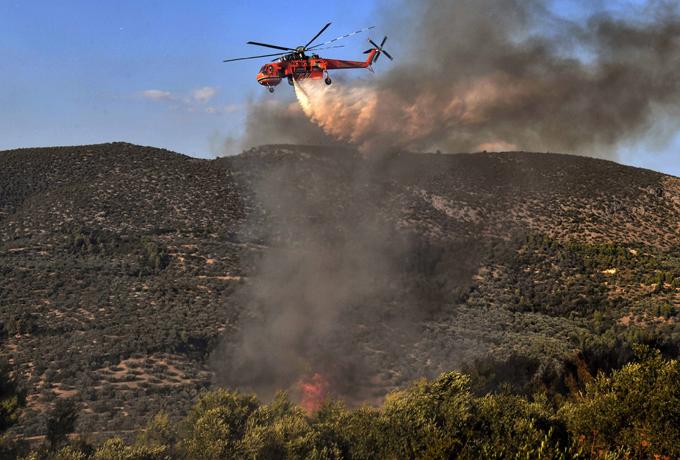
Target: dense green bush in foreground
[{"x": 632, "y": 413}]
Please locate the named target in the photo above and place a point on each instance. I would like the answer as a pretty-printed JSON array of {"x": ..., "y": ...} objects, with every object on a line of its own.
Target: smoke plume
[
  {"x": 333, "y": 295},
  {"x": 343, "y": 286},
  {"x": 500, "y": 75},
  {"x": 280, "y": 123}
]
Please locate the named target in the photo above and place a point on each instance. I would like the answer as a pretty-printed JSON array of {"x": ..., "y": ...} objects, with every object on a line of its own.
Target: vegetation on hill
[
  {"x": 126, "y": 274},
  {"x": 11, "y": 403},
  {"x": 631, "y": 413}
]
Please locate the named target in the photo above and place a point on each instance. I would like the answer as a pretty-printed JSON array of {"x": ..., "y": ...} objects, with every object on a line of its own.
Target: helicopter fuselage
[{"x": 298, "y": 66}]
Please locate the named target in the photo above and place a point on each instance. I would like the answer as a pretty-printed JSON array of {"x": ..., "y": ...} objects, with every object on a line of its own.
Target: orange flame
[{"x": 314, "y": 391}]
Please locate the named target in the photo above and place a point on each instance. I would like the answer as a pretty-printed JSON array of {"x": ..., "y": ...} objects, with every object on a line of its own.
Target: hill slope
[{"x": 134, "y": 277}]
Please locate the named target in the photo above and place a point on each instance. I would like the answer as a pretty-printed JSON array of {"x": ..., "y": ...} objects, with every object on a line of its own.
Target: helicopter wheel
[
  {"x": 290, "y": 81},
  {"x": 328, "y": 80},
  {"x": 271, "y": 89}
]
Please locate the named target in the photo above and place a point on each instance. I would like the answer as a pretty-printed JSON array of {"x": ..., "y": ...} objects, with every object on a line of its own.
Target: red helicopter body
[
  {"x": 294, "y": 64},
  {"x": 314, "y": 68}
]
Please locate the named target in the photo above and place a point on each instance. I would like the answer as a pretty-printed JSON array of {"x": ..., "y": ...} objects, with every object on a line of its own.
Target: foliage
[
  {"x": 279, "y": 430},
  {"x": 430, "y": 418},
  {"x": 61, "y": 422},
  {"x": 506, "y": 426},
  {"x": 11, "y": 398},
  {"x": 70, "y": 453},
  {"x": 216, "y": 424},
  {"x": 116, "y": 449},
  {"x": 119, "y": 267},
  {"x": 631, "y": 413},
  {"x": 637, "y": 407},
  {"x": 159, "y": 431},
  {"x": 11, "y": 402}
]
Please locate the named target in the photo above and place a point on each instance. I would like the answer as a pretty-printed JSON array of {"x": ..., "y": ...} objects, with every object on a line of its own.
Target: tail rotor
[{"x": 379, "y": 50}]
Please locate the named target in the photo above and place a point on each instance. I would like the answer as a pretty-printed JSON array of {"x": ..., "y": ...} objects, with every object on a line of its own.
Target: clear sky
[{"x": 150, "y": 71}]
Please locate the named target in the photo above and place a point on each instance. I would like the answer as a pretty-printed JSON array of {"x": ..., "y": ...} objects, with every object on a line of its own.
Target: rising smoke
[
  {"x": 500, "y": 75},
  {"x": 269, "y": 122},
  {"x": 311, "y": 305},
  {"x": 331, "y": 291}
]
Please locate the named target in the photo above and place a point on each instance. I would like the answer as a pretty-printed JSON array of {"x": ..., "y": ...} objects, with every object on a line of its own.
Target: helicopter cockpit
[{"x": 267, "y": 69}]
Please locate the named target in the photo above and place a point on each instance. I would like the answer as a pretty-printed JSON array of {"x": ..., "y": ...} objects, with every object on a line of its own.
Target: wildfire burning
[
  {"x": 314, "y": 391},
  {"x": 470, "y": 75}
]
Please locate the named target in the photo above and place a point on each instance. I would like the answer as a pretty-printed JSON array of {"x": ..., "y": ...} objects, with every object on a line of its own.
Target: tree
[
  {"x": 506, "y": 426},
  {"x": 11, "y": 401},
  {"x": 159, "y": 432},
  {"x": 70, "y": 453},
  {"x": 360, "y": 434},
  {"x": 216, "y": 424},
  {"x": 10, "y": 398},
  {"x": 116, "y": 449},
  {"x": 61, "y": 422},
  {"x": 429, "y": 419},
  {"x": 637, "y": 408},
  {"x": 282, "y": 430}
]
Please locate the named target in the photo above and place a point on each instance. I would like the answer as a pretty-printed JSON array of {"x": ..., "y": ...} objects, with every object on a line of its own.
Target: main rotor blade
[
  {"x": 317, "y": 35},
  {"x": 271, "y": 46},
  {"x": 329, "y": 47},
  {"x": 341, "y": 37},
  {"x": 319, "y": 49},
  {"x": 254, "y": 57}
]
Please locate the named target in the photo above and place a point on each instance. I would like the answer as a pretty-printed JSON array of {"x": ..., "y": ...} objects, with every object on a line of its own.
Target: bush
[
  {"x": 216, "y": 424},
  {"x": 632, "y": 413},
  {"x": 116, "y": 449},
  {"x": 61, "y": 422},
  {"x": 429, "y": 419},
  {"x": 637, "y": 408}
]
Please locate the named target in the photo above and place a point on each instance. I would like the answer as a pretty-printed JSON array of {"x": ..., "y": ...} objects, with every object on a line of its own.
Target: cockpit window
[{"x": 263, "y": 69}]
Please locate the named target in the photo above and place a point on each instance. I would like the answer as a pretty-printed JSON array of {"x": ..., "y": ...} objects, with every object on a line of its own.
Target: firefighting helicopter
[{"x": 295, "y": 64}]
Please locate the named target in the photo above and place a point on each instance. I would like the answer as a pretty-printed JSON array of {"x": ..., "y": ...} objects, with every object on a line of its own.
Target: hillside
[{"x": 133, "y": 277}]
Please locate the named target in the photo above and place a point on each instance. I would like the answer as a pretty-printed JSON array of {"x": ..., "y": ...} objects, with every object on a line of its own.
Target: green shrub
[
  {"x": 636, "y": 408},
  {"x": 216, "y": 425}
]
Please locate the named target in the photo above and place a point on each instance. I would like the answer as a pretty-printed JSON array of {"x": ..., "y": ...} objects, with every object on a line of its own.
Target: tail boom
[{"x": 332, "y": 64}]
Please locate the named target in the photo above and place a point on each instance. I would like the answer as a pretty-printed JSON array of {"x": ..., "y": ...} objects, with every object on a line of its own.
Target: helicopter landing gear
[
  {"x": 290, "y": 81},
  {"x": 328, "y": 80},
  {"x": 270, "y": 89}
]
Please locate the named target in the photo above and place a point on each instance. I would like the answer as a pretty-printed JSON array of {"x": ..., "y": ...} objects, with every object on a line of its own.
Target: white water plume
[{"x": 377, "y": 119}]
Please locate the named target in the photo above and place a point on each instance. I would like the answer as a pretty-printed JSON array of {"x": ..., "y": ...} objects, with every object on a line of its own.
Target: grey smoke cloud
[
  {"x": 499, "y": 75},
  {"x": 273, "y": 122},
  {"x": 317, "y": 285},
  {"x": 332, "y": 290}
]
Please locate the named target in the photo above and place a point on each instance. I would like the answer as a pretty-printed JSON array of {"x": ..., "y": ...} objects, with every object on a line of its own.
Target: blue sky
[
  {"x": 150, "y": 71},
  {"x": 76, "y": 72}
]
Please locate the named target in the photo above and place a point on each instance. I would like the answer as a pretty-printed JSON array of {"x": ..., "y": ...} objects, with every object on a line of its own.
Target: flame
[{"x": 314, "y": 392}]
